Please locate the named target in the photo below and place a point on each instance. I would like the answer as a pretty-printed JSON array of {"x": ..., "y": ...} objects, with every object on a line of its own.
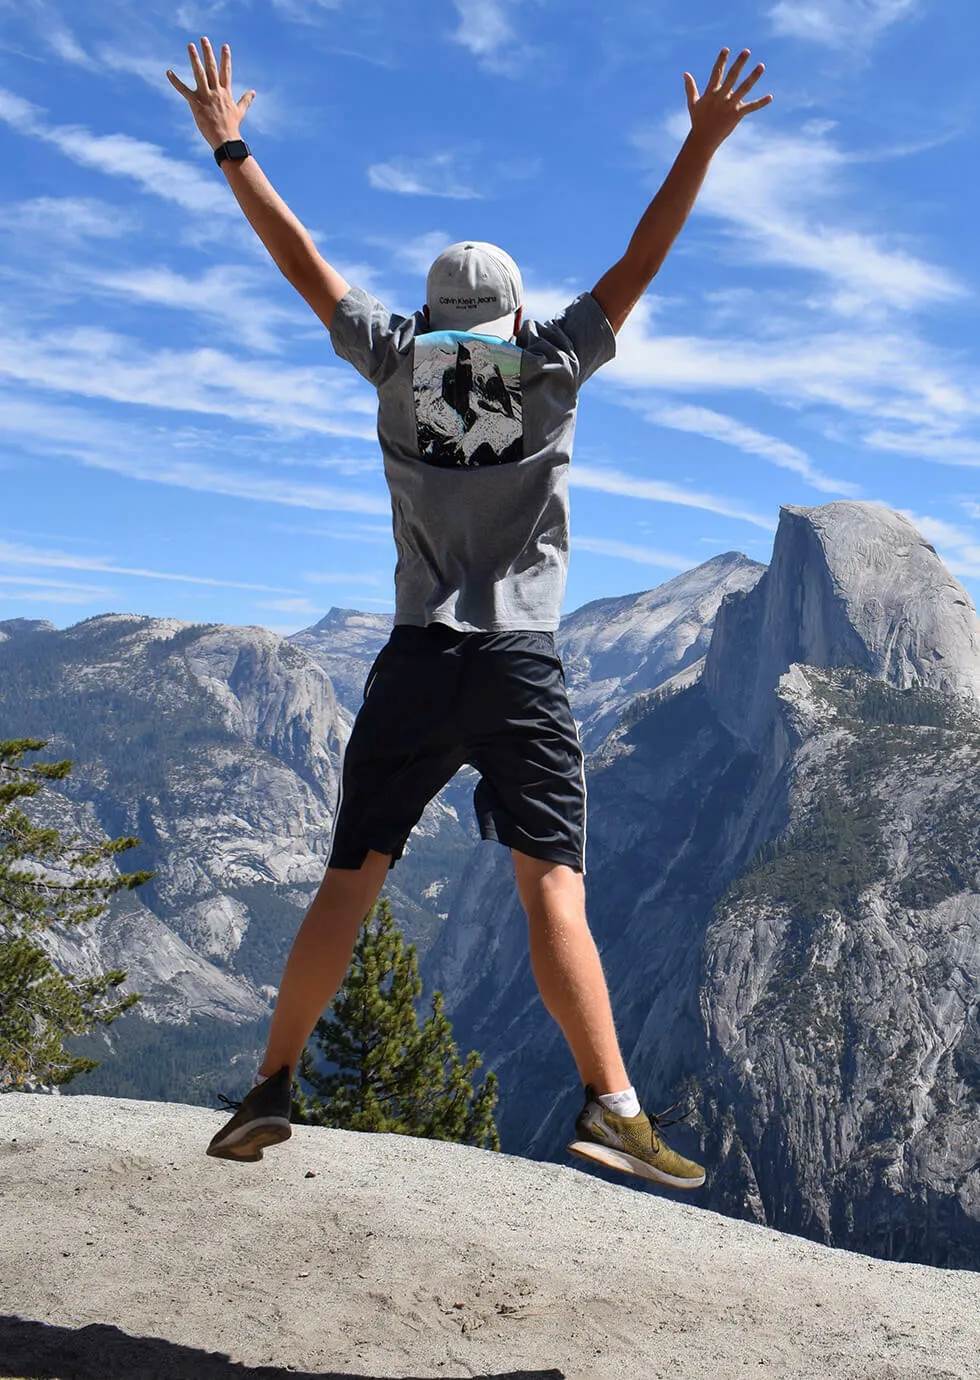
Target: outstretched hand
[
  {"x": 715, "y": 114},
  {"x": 216, "y": 112}
]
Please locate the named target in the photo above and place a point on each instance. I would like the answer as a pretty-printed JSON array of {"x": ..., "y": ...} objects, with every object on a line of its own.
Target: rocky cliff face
[
  {"x": 218, "y": 748},
  {"x": 841, "y": 980},
  {"x": 850, "y": 584},
  {"x": 615, "y": 649},
  {"x": 784, "y": 882},
  {"x": 345, "y": 642}
]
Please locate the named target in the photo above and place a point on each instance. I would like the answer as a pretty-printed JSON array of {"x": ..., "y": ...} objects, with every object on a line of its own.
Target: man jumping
[{"x": 476, "y": 415}]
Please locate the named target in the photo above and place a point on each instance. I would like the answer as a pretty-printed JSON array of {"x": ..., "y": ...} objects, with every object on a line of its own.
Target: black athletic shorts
[{"x": 437, "y": 698}]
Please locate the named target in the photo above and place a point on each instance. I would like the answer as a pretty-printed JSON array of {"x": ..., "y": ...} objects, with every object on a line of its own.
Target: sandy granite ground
[{"x": 126, "y": 1252}]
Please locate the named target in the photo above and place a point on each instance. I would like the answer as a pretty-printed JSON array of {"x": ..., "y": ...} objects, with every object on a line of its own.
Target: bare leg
[
  {"x": 568, "y": 969},
  {"x": 320, "y": 956}
]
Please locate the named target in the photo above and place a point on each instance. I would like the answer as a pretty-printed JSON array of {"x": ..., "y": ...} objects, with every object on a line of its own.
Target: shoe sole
[
  {"x": 620, "y": 1159},
  {"x": 247, "y": 1142}
]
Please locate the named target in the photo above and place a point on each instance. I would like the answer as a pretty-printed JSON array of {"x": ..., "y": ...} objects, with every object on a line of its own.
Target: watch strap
[{"x": 236, "y": 149}]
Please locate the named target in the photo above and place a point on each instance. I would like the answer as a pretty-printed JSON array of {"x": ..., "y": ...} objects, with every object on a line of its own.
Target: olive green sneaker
[{"x": 633, "y": 1144}]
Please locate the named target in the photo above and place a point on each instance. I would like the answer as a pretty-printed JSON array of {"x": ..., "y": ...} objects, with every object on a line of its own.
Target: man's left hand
[{"x": 715, "y": 114}]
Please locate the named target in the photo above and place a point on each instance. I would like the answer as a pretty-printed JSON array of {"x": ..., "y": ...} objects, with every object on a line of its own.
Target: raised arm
[
  {"x": 713, "y": 117},
  {"x": 218, "y": 116}
]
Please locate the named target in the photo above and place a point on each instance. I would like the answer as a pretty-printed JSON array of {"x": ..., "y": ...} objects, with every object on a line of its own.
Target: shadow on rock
[{"x": 44, "y": 1351}]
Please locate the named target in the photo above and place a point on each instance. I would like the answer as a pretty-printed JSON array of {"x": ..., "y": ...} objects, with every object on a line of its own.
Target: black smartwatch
[{"x": 231, "y": 148}]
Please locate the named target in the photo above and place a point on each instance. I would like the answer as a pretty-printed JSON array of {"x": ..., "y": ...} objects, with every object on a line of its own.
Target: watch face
[{"x": 236, "y": 148}]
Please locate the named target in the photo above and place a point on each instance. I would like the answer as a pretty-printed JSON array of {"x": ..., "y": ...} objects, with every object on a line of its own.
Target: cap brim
[{"x": 501, "y": 326}]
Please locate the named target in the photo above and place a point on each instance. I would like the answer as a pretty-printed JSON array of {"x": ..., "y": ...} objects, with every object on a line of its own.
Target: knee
[
  {"x": 557, "y": 897},
  {"x": 346, "y": 883}
]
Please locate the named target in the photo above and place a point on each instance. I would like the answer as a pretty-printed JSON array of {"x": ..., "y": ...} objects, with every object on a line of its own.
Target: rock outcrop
[
  {"x": 125, "y": 1251},
  {"x": 850, "y": 584}
]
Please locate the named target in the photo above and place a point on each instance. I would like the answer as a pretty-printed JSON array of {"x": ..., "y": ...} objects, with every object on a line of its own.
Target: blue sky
[{"x": 181, "y": 440}]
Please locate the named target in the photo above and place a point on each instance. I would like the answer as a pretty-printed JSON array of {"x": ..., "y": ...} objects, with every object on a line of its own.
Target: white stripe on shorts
[{"x": 585, "y": 794}]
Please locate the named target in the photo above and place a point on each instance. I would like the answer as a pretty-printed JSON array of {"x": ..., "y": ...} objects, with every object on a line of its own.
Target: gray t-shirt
[{"x": 476, "y": 435}]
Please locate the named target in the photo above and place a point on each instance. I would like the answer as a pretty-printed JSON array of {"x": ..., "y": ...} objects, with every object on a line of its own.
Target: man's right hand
[
  {"x": 216, "y": 112},
  {"x": 218, "y": 116}
]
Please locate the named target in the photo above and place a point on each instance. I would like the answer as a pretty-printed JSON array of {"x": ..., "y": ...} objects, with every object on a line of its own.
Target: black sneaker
[{"x": 262, "y": 1119}]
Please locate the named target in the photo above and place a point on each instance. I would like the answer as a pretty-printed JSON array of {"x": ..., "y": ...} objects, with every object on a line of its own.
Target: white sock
[
  {"x": 622, "y": 1103},
  {"x": 259, "y": 1078}
]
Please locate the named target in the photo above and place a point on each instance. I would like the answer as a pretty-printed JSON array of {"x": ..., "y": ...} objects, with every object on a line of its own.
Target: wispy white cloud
[
  {"x": 15, "y": 554},
  {"x": 543, "y": 300},
  {"x": 839, "y": 23},
  {"x": 234, "y": 483},
  {"x": 305, "y": 11},
  {"x": 867, "y": 373},
  {"x": 301, "y": 604},
  {"x": 781, "y": 198},
  {"x": 37, "y": 588},
  {"x": 194, "y": 16},
  {"x": 927, "y": 444},
  {"x": 33, "y": 535},
  {"x": 330, "y": 577},
  {"x": 120, "y": 155},
  {"x": 612, "y": 481},
  {"x": 62, "y": 594},
  {"x": 486, "y": 29},
  {"x": 414, "y": 252},
  {"x": 63, "y": 42},
  {"x": 138, "y": 450},
  {"x": 346, "y": 463},
  {"x": 432, "y": 176},
  {"x": 227, "y": 297},
  {"x": 67, "y": 217},
  {"x": 704, "y": 421},
  {"x": 644, "y": 555},
  {"x": 93, "y": 362},
  {"x": 353, "y": 531}
]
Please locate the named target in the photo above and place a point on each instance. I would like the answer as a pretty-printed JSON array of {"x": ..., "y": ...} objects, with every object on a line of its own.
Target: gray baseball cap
[{"x": 474, "y": 286}]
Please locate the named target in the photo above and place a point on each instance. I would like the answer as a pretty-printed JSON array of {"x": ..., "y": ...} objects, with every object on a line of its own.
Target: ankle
[
  {"x": 622, "y": 1103},
  {"x": 263, "y": 1073},
  {"x": 605, "y": 1086}
]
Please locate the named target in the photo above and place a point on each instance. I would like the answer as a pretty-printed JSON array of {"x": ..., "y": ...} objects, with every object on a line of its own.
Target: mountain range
[{"x": 783, "y": 864}]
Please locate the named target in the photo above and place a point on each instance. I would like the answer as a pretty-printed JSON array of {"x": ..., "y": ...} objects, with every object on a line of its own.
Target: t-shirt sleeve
[
  {"x": 363, "y": 331},
  {"x": 582, "y": 330}
]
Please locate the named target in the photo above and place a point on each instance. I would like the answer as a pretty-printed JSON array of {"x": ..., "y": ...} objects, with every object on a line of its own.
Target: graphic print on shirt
[{"x": 468, "y": 404}]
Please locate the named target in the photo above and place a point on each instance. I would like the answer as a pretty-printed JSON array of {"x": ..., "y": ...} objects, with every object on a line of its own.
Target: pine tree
[
  {"x": 390, "y": 1074},
  {"x": 47, "y": 880}
]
